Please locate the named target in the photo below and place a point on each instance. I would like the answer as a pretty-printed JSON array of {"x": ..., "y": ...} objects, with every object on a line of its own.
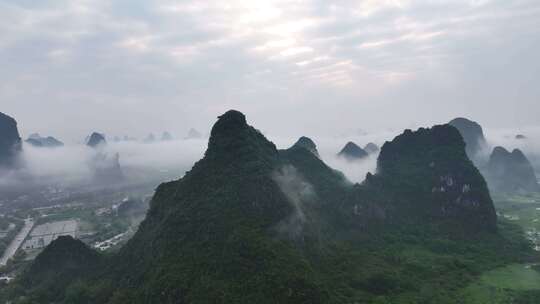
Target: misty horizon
[{"x": 69, "y": 164}]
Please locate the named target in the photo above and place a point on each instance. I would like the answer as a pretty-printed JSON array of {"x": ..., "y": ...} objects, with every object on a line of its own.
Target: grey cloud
[{"x": 133, "y": 66}]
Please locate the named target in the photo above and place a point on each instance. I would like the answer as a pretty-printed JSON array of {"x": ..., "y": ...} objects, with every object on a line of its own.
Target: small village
[{"x": 103, "y": 222}]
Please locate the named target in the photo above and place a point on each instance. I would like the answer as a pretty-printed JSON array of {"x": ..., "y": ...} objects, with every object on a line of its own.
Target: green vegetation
[
  {"x": 251, "y": 224},
  {"x": 41, "y": 280},
  {"x": 514, "y": 276},
  {"x": 93, "y": 227},
  {"x": 16, "y": 264},
  {"x": 513, "y": 283},
  {"x": 522, "y": 209},
  {"x": 429, "y": 173}
]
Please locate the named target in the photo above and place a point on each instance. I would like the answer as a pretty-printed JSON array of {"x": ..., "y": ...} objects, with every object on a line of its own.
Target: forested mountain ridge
[
  {"x": 472, "y": 133},
  {"x": 511, "y": 172},
  {"x": 430, "y": 173},
  {"x": 253, "y": 224}
]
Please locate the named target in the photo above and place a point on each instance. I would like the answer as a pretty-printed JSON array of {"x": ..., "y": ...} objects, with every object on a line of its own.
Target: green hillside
[{"x": 251, "y": 224}]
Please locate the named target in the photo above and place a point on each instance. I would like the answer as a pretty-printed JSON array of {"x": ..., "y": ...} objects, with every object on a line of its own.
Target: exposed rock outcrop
[{"x": 432, "y": 177}]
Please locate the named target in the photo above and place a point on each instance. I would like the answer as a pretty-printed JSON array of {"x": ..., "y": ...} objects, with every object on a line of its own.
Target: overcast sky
[{"x": 68, "y": 67}]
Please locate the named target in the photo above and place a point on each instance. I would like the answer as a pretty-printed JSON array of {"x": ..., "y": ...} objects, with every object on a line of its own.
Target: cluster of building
[
  {"x": 113, "y": 210},
  {"x": 42, "y": 235},
  {"x": 533, "y": 235},
  {"x": 102, "y": 246}
]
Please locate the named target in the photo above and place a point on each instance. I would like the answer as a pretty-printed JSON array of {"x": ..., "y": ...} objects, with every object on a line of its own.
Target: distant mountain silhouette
[
  {"x": 166, "y": 136},
  {"x": 95, "y": 140},
  {"x": 193, "y": 134},
  {"x": 352, "y": 151},
  {"x": 472, "y": 133},
  {"x": 43, "y": 142},
  {"x": 10, "y": 142},
  {"x": 150, "y": 138},
  {"x": 106, "y": 169},
  {"x": 371, "y": 148},
  {"x": 510, "y": 172}
]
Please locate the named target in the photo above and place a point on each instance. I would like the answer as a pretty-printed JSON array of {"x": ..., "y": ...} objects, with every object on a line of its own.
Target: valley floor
[{"x": 514, "y": 283}]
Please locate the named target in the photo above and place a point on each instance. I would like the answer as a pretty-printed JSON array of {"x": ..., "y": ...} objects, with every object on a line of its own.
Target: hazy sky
[{"x": 68, "y": 67}]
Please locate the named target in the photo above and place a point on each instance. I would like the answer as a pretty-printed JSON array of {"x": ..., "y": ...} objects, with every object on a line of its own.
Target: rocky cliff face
[
  {"x": 431, "y": 176},
  {"x": 10, "y": 142},
  {"x": 510, "y": 172},
  {"x": 352, "y": 152},
  {"x": 472, "y": 133}
]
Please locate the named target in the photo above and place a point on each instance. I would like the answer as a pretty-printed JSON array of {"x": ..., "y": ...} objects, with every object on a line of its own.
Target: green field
[
  {"x": 515, "y": 276},
  {"x": 503, "y": 285},
  {"x": 515, "y": 283}
]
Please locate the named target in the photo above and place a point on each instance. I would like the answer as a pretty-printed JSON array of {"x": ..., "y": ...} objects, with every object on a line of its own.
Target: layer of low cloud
[
  {"x": 161, "y": 161},
  {"x": 71, "y": 165}
]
